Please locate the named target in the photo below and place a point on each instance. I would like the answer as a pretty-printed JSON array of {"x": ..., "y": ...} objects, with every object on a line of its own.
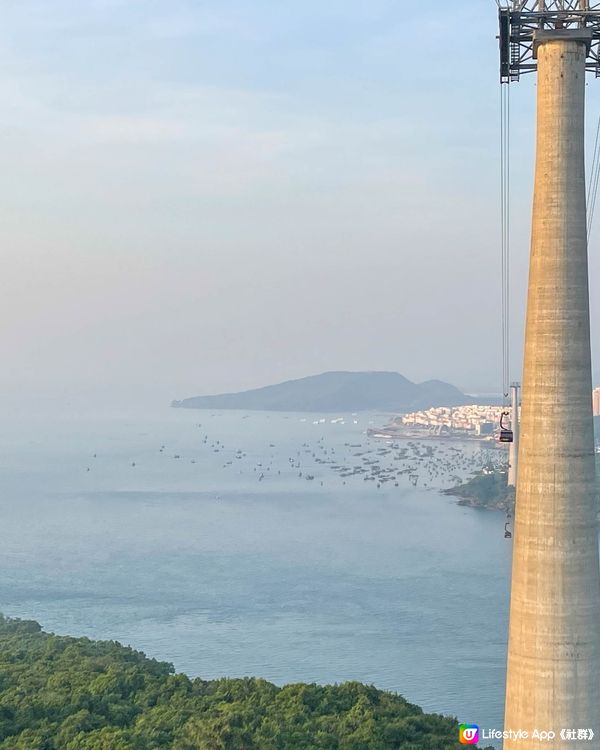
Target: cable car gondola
[{"x": 506, "y": 434}]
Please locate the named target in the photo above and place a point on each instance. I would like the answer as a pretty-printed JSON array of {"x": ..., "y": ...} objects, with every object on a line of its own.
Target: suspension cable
[
  {"x": 505, "y": 233},
  {"x": 592, "y": 190}
]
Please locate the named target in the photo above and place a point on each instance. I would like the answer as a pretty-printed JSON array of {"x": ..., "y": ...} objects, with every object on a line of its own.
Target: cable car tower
[
  {"x": 525, "y": 23},
  {"x": 553, "y": 675}
]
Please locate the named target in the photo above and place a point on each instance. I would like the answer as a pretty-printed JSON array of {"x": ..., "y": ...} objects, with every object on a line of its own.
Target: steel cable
[{"x": 505, "y": 233}]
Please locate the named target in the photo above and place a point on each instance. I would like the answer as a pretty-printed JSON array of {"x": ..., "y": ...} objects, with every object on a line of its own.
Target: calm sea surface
[{"x": 199, "y": 561}]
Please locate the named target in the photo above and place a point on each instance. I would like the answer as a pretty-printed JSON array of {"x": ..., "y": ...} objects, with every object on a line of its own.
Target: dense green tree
[{"x": 59, "y": 693}]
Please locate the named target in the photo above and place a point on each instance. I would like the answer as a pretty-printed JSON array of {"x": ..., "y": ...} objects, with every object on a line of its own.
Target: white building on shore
[{"x": 474, "y": 418}]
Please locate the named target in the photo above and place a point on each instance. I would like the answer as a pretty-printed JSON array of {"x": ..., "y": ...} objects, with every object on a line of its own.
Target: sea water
[{"x": 157, "y": 530}]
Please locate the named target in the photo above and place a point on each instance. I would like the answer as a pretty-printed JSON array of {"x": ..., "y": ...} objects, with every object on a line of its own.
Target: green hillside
[
  {"x": 337, "y": 392},
  {"x": 487, "y": 489},
  {"x": 60, "y": 693}
]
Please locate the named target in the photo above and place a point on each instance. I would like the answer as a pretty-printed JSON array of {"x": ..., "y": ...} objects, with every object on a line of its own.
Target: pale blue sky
[{"x": 203, "y": 196}]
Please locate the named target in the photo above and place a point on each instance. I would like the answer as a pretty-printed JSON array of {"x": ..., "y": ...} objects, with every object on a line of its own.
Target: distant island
[
  {"x": 61, "y": 693},
  {"x": 338, "y": 392}
]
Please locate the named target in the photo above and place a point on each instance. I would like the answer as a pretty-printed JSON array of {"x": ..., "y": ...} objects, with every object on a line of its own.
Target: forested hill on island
[
  {"x": 338, "y": 392},
  {"x": 62, "y": 693}
]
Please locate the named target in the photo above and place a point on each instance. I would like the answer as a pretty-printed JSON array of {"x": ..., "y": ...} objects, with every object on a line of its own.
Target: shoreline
[{"x": 487, "y": 490}]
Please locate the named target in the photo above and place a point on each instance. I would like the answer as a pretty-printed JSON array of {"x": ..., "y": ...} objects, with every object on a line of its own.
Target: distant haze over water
[{"x": 224, "y": 574}]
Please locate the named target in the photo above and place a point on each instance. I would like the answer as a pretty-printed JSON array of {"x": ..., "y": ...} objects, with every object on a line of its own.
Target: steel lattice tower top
[{"x": 524, "y": 23}]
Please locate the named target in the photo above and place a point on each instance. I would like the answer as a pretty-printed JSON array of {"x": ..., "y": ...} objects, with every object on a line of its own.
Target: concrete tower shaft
[
  {"x": 553, "y": 679},
  {"x": 513, "y": 453}
]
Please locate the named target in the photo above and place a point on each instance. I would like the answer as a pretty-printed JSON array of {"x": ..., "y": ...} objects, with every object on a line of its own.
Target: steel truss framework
[{"x": 521, "y": 19}]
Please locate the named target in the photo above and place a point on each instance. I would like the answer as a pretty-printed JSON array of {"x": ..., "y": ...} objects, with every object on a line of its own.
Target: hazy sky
[{"x": 205, "y": 196}]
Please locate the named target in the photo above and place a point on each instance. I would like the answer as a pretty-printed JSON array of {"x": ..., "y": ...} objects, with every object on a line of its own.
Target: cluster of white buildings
[{"x": 475, "y": 418}]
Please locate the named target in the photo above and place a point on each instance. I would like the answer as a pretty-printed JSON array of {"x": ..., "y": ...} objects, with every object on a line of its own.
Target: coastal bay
[{"x": 130, "y": 527}]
